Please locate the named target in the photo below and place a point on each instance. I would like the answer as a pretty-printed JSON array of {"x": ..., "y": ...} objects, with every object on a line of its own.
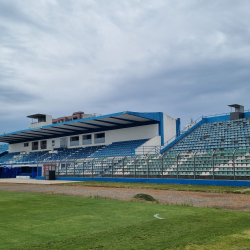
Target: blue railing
[{"x": 182, "y": 132}]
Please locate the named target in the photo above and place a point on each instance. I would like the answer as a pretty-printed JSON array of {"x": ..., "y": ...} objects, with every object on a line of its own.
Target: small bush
[{"x": 145, "y": 197}]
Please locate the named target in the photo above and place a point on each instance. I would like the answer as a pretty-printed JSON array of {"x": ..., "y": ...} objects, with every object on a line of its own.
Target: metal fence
[{"x": 200, "y": 165}]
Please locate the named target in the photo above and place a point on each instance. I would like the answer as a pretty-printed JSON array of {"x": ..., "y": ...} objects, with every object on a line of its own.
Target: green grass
[
  {"x": 41, "y": 221},
  {"x": 178, "y": 187}
]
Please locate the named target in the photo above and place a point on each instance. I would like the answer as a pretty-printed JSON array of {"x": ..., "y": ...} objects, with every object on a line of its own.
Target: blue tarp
[{"x": 10, "y": 172}]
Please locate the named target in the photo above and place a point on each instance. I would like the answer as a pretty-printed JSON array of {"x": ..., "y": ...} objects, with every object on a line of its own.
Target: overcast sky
[{"x": 183, "y": 58}]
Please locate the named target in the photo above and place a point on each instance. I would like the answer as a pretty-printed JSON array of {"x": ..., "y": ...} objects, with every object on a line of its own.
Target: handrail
[
  {"x": 183, "y": 131},
  {"x": 148, "y": 150},
  {"x": 195, "y": 122},
  {"x": 247, "y": 110},
  {"x": 217, "y": 115}
]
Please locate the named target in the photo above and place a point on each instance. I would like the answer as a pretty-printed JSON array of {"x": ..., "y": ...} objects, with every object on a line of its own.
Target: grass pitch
[
  {"x": 177, "y": 187},
  {"x": 40, "y": 221}
]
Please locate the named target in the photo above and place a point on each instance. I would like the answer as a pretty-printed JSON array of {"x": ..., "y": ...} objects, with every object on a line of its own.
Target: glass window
[
  {"x": 26, "y": 144},
  {"x": 86, "y": 139},
  {"x": 100, "y": 138},
  {"x": 35, "y": 145},
  {"x": 74, "y": 140},
  {"x": 43, "y": 144},
  {"x": 64, "y": 142}
]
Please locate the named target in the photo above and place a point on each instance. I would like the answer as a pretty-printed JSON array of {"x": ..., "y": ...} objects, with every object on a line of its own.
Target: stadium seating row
[
  {"x": 222, "y": 135},
  {"x": 115, "y": 149}
]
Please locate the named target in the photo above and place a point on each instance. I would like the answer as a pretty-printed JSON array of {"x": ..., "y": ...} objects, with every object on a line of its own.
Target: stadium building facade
[{"x": 132, "y": 146}]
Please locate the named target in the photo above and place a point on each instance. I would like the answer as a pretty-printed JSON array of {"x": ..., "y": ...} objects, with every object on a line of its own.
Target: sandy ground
[
  {"x": 31, "y": 181},
  {"x": 197, "y": 199}
]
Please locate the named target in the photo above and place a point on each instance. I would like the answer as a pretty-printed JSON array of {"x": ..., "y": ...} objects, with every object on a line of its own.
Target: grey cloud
[
  {"x": 202, "y": 89},
  {"x": 10, "y": 95},
  {"x": 14, "y": 12}
]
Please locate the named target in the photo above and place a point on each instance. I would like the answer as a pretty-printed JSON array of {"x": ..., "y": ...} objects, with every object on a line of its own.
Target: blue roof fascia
[
  {"x": 152, "y": 116},
  {"x": 4, "y": 147},
  {"x": 247, "y": 114},
  {"x": 157, "y": 116},
  {"x": 65, "y": 123}
]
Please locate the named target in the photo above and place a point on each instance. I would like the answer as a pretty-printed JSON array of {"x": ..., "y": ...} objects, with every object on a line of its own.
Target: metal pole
[
  {"x": 147, "y": 161},
  {"x": 213, "y": 163},
  {"x": 123, "y": 166},
  {"x": 37, "y": 168},
  {"x": 66, "y": 167},
  {"x": 135, "y": 166},
  {"x": 234, "y": 163},
  {"x": 162, "y": 165},
  {"x": 194, "y": 166},
  {"x": 112, "y": 169},
  {"x": 92, "y": 167},
  {"x": 74, "y": 167},
  {"x": 83, "y": 168},
  {"x": 177, "y": 157},
  {"x": 102, "y": 166},
  {"x": 58, "y": 167}
]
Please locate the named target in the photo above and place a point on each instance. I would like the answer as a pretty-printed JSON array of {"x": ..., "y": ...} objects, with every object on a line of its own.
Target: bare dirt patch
[{"x": 229, "y": 201}]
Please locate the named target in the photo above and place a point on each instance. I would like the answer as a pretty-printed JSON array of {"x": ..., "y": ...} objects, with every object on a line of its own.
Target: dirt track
[{"x": 197, "y": 199}]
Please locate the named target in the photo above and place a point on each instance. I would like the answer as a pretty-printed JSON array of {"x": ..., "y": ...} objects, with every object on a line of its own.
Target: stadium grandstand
[{"x": 130, "y": 145}]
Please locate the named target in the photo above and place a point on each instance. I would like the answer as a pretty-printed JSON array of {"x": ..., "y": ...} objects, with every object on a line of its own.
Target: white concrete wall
[
  {"x": 148, "y": 146},
  {"x": 19, "y": 147},
  {"x": 169, "y": 127},
  {"x": 125, "y": 134},
  {"x": 134, "y": 133},
  {"x": 41, "y": 124}
]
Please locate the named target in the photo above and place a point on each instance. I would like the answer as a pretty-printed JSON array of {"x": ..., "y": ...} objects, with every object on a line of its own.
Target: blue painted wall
[
  {"x": 178, "y": 128},
  {"x": 163, "y": 181}
]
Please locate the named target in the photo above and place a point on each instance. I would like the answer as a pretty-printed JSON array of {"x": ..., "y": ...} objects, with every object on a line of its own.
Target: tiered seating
[
  {"x": 8, "y": 158},
  {"x": 223, "y": 135},
  {"x": 34, "y": 157},
  {"x": 3, "y": 148},
  {"x": 80, "y": 153},
  {"x": 45, "y": 156},
  {"x": 120, "y": 148}
]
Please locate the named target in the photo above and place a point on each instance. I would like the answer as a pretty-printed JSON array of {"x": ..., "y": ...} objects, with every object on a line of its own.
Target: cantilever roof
[
  {"x": 36, "y": 116},
  {"x": 83, "y": 126}
]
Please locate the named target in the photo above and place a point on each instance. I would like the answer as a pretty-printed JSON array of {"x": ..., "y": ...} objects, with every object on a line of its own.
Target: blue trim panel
[
  {"x": 178, "y": 128},
  {"x": 163, "y": 181},
  {"x": 161, "y": 129},
  {"x": 247, "y": 115}
]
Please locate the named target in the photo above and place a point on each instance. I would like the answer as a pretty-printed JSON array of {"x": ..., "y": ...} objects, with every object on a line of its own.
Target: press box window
[
  {"x": 26, "y": 144},
  {"x": 74, "y": 140},
  {"x": 43, "y": 144},
  {"x": 100, "y": 138},
  {"x": 35, "y": 145},
  {"x": 86, "y": 139}
]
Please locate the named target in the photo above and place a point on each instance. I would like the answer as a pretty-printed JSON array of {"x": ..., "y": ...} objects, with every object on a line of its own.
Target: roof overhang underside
[{"x": 84, "y": 126}]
